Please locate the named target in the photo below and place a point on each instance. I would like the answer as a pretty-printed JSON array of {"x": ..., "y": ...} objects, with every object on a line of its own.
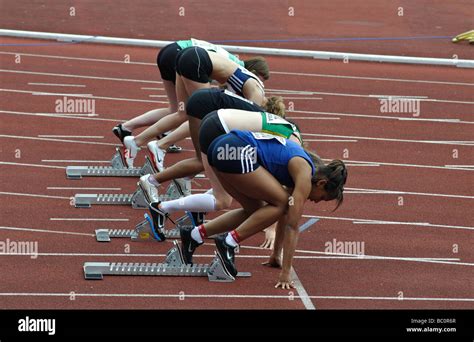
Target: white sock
[
  {"x": 199, "y": 203},
  {"x": 229, "y": 239},
  {"x": 196, "y": 235}
]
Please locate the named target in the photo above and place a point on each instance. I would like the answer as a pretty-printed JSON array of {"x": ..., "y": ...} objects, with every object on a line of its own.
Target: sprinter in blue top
[{"x": 252, "y": 167}]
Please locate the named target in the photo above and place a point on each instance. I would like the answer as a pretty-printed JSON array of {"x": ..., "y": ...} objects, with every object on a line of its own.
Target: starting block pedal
[
  {"x": 173, "y": 267},
  {"x": 142, "y": 232},
  {"x": 117, "y": 169},
  {"x": 137, "y": 200}
]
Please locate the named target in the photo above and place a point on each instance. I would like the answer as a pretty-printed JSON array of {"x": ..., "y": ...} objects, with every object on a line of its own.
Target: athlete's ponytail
[
  {"x": 258, "y": 66},
  {"x": 336, "y": 175},
  {"x": 275, "y": 105}
]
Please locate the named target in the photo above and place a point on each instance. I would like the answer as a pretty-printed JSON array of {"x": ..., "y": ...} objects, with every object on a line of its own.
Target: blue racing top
[{"x": 274, "y": 153}]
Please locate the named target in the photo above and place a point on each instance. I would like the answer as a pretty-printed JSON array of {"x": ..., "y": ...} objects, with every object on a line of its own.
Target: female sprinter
[
  {"x": 166, "y": 62},
  {"x": 196, "y": 66},
  {"x": 215, "y": 124},
  {"x": 252, "y": 167}
]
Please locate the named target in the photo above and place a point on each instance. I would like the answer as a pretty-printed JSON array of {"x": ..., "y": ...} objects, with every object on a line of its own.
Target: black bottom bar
[{"x": 245, "y": 323}]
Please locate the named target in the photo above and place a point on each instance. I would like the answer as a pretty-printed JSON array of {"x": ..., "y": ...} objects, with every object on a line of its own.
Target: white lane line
[
  {"x": 153, "y": 95},
  {"x": 274, "y": 72},
  {"x": 151, "y": 88},
  {"x": 74, "y": 161},
  {"x": 224, "y": 296},
  {"x": 77, "y": 76},
  {"x": 386, "y": 117},
  {"x": 44, "y": 231},
  {"x": 58, "y": 84},
  {"x": 310, "y": 257},
  {"x": 72, "y": 136},
  {"x": 303, "y": 98},
  {"x": 276, "y": 90},
  {"x": 327, "y": 255},
  {"x": 463, "y": 166},
  {"x": 87, "y": 219},
  {"x": 369, "y": 221},
  {"x": 32, "y": 165},
  {"x": 89, "y": 97},
  {"x": 403, "y": 165},
  {"x": 79, "y": 58},
  {"x": 331, "y": 140},
  {"x": 433, "y": 120},
  {"x": 57, "y": 140},
  {"x": 79, "y": 188},
  {"x": 363, "y": 165},
  {"x": 394, "y": 192},
  {"x": 44, "y": 93},
  {"x": 371, "y": 78},
  {"x": 371, "y": 97},
  {"x": 62, "y": 115},
  {"x": 439, "y": 142},
  {"x": 32, "y": 195},
  {"x": 311, "y": 118},
  {"x": 302, "y": 294}
]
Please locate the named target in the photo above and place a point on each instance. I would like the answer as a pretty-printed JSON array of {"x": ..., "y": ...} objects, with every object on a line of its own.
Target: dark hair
[
  {"x": 336, "y": 175},
  {"x": 258, "y": 66},
  {"x": 275, "y": 105}
]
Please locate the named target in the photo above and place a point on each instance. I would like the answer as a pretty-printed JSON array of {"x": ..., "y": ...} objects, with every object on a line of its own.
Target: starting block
[
  {"x": 142, "y": 231},
  {"x": 173, "y": 267},
  {"x": 137, "y": 200},
  {"x": 117, "y": 169}
]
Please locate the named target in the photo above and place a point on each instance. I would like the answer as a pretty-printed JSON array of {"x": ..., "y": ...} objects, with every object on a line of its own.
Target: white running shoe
[
  {"x": 157, "y": 155},
  {"x": 131, "y": 150},
  {"x": 149, "y": 190}
]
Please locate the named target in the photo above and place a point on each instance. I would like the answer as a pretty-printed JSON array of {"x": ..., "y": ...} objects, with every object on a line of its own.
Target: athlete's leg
[
  {"x": 152, "y": 116},
  {"x": 184, "y": 168},
  {"x": 253, "y": 187},
  {"x": 178, "y": 134},
  {"x": 169, "y": 122}
]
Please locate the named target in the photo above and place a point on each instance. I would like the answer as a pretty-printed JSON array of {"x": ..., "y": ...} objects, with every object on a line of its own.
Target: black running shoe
[
  {"x": 227, "y": 254},
  {"x": 188, "y": 244},
  {"x": 174, "y": 149},
  {"x": 120, "y": 132},
  {"x": 158, "y": 220}
]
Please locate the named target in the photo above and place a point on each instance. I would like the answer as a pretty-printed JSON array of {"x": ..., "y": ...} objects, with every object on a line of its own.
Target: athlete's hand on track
[
  {"x": 269, "y": 238},
  {"x": 285, "y": 282}
]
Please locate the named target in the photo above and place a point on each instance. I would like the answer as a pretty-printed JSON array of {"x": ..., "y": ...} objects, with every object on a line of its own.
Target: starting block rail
[
  {"x": 173, "y": 267},
  {"x": 142, "y": 231},
  {"x": 117, "y": 169}
]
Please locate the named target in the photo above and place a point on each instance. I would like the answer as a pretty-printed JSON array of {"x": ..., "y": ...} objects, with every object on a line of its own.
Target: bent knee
[{"x": 223, "y": 202}]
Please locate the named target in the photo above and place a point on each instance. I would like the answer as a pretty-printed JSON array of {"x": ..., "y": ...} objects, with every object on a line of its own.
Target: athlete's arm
[
  {"x": 253, "y": 92},
  {"x": 300, "y": 172}
]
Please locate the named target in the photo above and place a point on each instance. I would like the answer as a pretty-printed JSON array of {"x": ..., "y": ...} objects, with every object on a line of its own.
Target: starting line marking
[{"x": 180, "y": 295}]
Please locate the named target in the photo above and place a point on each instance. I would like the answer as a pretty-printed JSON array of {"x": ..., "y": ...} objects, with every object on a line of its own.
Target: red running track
[{"x": 413, "y": 242}]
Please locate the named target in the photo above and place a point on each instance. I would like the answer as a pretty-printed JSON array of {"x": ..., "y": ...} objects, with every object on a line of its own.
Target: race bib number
[
  {"x": 266, "y": 136},
  {"x": 275, "y": 119},
  {"x": 205, "y": 45}
]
